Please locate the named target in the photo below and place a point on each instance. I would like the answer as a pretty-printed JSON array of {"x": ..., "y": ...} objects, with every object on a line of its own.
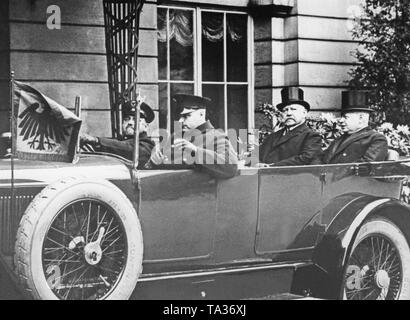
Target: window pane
[
  {"x": 215, "y": 113},
  {"x": 237, "y": 53},
  {"x": 181, "y": 44},
  {"x": 178, "y": 88},
  {"x": 212, "y": 46},
  {"x": 237, "y": 107},
  {"x": 163, "y": 105},
  {"x": 162, "y": 44}
]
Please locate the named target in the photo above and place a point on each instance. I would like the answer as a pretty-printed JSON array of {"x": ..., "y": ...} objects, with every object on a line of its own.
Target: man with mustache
[
  {"x": 200, "y": 146},
  {"x": 295, "y": 144},
  {"x": 359, "y": 143},
  {"x": 125, "y": 145}
]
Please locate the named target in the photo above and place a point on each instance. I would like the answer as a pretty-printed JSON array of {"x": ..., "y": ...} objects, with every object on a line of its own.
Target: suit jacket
[
  {"x": 125, "y": 148},
  {"x": 215, "y": 154},
  {"x": 363, "y": 146},
  {"x": 298, "y": 147}
]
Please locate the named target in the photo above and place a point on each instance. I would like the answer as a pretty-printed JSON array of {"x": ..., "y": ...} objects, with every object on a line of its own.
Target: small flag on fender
[{"x": 44, "y": 130}]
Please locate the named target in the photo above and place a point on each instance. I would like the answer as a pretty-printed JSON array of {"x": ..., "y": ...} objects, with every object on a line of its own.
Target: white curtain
[{"x": 181, "y": 30}]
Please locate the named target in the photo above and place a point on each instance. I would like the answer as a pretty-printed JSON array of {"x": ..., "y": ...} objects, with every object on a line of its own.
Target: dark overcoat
[
  {"x": 364, "y": 146},
  {"x": 125, "y": 148},
  {"x": 215, "y": 154},
  {"x": 298, "y": 147}
]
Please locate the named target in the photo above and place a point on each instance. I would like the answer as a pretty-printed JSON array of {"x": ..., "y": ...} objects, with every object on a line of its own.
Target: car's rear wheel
[
  {"x": 79, "y": 239},
  {"x": 378, "y": 267}
]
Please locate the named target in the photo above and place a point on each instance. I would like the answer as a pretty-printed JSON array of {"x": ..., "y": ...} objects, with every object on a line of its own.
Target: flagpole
[
  {"x": 137, "y": 115},
  {"x": 13, "y": 146}
]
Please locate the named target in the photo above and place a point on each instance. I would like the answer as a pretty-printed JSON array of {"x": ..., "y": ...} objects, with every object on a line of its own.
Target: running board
[{"x": 237, "y": 282}]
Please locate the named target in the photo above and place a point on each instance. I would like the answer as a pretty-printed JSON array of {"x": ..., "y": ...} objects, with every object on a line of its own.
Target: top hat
[
  {"x": 128, "y": 109},
  {"x": 355, "y": 101},
  {"x": 188, "y": 103},
  {"x": 292, "y": 95}
]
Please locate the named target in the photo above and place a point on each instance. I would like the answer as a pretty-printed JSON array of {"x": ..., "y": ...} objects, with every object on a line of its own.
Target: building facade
[{"x": 238, "y": 52}]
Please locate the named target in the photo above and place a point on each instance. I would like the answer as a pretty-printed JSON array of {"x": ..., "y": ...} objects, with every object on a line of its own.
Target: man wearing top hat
[
  {"x": 125, "y": 145},
  {"x": 200, "y": 145},
  {"x": 295, "y": 144},
  {"x": 359, "y": 143}
]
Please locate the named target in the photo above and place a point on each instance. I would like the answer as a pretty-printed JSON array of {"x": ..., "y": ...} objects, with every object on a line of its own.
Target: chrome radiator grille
[{"x": 9, "y": 221}]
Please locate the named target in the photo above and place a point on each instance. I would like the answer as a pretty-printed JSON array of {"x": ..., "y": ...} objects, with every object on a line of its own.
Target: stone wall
[
  {"x": 72, "y": 61},
  {"x": 318, "y": 50}
]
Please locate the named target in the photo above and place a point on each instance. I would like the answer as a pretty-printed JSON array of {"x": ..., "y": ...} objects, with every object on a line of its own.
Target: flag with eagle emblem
[{"x": 44, "y": 130}]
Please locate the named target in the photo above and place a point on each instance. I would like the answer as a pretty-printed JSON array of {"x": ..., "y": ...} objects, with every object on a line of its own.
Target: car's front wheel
[
  {"x": 79, "y": 239},
  {"x": 378, "y": 267}
]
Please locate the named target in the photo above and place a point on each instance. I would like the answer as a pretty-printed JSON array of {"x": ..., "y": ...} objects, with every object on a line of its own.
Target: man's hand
[
  {"x": 157, "y": 156},
  {"x": 185, "y": 144},
  {"x": 263, "y": 165},
  {"x": 87, "y": 139}
]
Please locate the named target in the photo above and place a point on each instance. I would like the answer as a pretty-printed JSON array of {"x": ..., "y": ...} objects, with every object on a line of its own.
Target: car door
[
  {"x": 288, "y": 198},
  {"x": 178, "y": 213},
  {"x": 341, "y": 179}
]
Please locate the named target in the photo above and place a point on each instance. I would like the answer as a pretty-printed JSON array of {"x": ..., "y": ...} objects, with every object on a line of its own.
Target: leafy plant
[
  {"x": 274, "y": 118},
  {"x": 398, "y": 138},
  {"x": 328, "y": 126}
]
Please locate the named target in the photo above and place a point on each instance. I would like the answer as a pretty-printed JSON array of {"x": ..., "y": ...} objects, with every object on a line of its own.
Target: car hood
[{"x": 88, "y": 166}]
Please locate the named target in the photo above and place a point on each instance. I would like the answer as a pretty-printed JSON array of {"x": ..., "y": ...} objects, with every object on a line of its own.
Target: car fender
[{"x": 331, "y": 252}]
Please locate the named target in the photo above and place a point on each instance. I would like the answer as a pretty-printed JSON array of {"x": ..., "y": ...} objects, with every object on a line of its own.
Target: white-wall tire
[
  {"x": 40, "y": 216},
  {"x": 384, "y": 252}
]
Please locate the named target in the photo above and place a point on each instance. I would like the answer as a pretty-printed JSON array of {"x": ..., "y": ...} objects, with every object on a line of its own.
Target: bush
[{"x": 383, "y": 58}]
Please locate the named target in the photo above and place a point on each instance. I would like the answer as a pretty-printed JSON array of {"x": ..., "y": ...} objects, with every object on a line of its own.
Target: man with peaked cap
[
  {"x": 125, "y": 145},
  {"x": 359, "y": 143},
  {"x": 200, "y": 145},
  {"x": 295, "y": 144}
]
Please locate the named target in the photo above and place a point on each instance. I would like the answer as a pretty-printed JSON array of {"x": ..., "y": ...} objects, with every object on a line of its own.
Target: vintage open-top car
[{"x": 98, "y": 229}]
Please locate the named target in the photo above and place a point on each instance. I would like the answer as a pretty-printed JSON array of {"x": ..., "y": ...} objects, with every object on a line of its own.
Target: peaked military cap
[
  {"x": 188, "y": 103},
  {"x": 128, "y": 109}
]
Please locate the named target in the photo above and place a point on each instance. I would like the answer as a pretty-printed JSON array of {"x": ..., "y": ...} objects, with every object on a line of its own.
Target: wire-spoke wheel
[
  {"x": 85, "y": 251},
  {"x": 79, "y": 240},
  {"x": 379, "y": 264}
]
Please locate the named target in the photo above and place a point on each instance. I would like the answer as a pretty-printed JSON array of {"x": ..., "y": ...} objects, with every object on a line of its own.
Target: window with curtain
[{"x": 206, "y": 53}]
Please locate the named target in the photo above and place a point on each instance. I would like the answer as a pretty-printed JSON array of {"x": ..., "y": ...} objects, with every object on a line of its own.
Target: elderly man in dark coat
[
  {"x": 125, "y": 145},
  {"x": 295, "y": 144},
  {"x": 359, "y": 143},
  {"x": 200, "y": 145}
]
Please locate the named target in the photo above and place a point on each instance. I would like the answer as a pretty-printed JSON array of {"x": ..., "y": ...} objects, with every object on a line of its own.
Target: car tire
[
  {"x": 378, "y": 267},
  {"x": 78, "y": 225}
]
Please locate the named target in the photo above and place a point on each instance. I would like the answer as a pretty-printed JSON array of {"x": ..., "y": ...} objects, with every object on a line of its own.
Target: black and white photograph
[{"x": 205, "y": 153}]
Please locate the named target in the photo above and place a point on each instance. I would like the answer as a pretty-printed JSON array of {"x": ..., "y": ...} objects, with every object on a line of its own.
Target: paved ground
[{"x": 7, "y": 288}]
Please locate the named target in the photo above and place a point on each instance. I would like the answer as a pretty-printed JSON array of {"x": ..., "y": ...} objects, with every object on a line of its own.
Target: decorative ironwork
[{"x": 122, "y": 19}]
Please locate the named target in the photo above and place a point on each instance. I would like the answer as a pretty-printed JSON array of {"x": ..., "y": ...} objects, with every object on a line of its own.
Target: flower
[
  {"x": 403, "y": 129},
  {"x": 328, "y": 117},
  {"x": 398, "y": 138},
  {"x": 387, "y": 126}
]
